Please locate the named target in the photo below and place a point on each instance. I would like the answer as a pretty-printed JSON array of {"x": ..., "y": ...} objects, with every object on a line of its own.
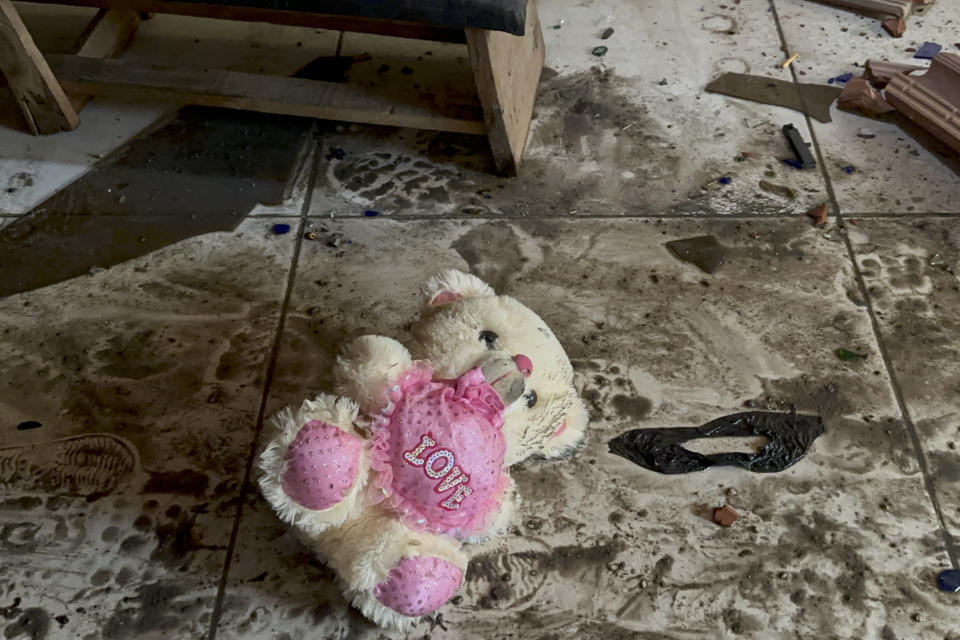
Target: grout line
[
  {"x": 911, "y": 428},
  {"x": 827, "y": 183},
  {"x": 441, "y": 217},
  {"x": 267, "y": 383}
]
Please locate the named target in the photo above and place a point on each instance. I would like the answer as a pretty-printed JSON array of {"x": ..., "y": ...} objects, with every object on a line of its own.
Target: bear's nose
[{"x": 524, "y": 364}]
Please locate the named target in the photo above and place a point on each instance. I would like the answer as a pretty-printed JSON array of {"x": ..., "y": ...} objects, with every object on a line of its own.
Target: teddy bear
[{"x": 387, "y": 480}]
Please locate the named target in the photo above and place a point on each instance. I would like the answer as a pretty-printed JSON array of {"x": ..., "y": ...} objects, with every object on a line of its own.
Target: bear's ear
[{"x": 452, "y": 285}]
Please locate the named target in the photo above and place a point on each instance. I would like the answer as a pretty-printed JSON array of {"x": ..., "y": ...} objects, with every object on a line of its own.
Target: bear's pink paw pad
[
  {"x": 321, "y": 465},
  {"x": 419, "y": 585}
]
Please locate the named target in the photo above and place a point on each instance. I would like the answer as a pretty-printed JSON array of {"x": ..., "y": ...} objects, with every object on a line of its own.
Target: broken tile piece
[
  {"x": 858, "y": 95},
  {"x": 928, "y": 51},
  {"x": 725, "y": 516},
  {"x": 819, "y": 215},
  {"x": 933, "y": 99},
  {"x": 781, "y": 93},
  {"x": 879, "y": 72},
  {"x": 949, "y": 581},
  {"x": 895, "y": 26},
  {"x": 702, "y": 251}
]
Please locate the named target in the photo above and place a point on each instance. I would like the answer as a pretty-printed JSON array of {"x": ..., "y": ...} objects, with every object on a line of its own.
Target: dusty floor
[{"x": 151, "y": 320}]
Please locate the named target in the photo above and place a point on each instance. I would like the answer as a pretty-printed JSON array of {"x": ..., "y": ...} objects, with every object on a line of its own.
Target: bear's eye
[
  {"x": 531, "y": 398},
  {"x": 489, "y": 338}
]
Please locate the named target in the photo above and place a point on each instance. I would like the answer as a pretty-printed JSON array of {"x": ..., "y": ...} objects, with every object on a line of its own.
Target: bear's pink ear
[
  {"x": 443, "y": 297},
  {"x": 451, "y": 286}
]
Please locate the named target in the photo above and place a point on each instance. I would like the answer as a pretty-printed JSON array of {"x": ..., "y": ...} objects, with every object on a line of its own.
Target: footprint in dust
[
  {"x": 506, "y": 579},
  {"x": 78, "y": 465},
  {"x": 610, "y": 395},
  {"x": 716, "y": 23}
]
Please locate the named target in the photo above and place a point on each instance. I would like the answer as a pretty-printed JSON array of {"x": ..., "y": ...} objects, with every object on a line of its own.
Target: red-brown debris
[{"x": 725, "y": 516}]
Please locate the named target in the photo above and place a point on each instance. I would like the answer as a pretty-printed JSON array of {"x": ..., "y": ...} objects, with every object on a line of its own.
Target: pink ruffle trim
[{"x": 481, "y": 397}]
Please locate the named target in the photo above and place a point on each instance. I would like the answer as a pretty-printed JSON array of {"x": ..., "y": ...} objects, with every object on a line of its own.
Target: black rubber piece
[
  {"x": 799, "y": 147},
  {"x": 789, "y": 438}
]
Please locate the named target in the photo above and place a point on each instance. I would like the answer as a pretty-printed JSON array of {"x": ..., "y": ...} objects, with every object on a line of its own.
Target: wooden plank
[
  {"x": 41, "y": 99},
  {"x": 507, "y": 71},
  {"x": 107, "y": 35},
  {"x": 256, "y": 92},
  {"x": 277, "y": 16}
]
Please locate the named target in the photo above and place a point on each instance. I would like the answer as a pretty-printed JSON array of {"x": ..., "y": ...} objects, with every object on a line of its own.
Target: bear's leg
[
  {"x": 314, "y": 468},
  {"x": 393, "y": 574}
]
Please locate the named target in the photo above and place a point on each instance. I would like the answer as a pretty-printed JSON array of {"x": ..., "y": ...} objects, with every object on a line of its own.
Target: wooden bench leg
[
  {"x": 41, "y": 98},
  {"x": 107, "y": 35},
  {"x": 507, "y": 72}
]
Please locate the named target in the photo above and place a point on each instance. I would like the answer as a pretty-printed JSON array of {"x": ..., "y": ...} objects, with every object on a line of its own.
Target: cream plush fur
[{"x": 361, "y": 541}]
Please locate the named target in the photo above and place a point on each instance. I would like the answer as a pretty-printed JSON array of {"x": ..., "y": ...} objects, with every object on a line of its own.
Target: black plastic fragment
[
  {"x": 789, "y": 438},
  {"x": 799, "y": 147}
]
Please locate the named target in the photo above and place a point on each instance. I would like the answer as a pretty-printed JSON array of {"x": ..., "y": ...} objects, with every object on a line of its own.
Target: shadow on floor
[{"x": 201, "y": 172}]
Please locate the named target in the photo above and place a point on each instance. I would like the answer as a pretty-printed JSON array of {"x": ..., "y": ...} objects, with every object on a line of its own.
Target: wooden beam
[
  {"x": 264, "y": 93},
  {"x": 507, "y": 71},
  {"x": 107, "y": 35},
  {"x": 41, "y": 99},
  {"x": 394, "y": 28}
]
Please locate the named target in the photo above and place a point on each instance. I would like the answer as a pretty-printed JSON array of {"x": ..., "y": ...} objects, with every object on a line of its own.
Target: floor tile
[
  {"x": 629, "y": 133},
  {"x": 894, "y": 173},
  {"x": 911, "y": 269},
  {"x": 844, "y": 543},
  {"x": 128, "y": 403}
]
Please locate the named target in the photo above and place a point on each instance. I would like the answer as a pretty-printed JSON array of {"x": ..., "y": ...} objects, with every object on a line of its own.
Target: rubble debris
[
  {"x": 819, "y": 215},
  {"x": 858, "y": 95},
  {"x": 702, "y": 251},
  {"x": 936, "y": 260},
  {"x": 781, "y": 93},
  {"x": 725, "y": 516},
  {"x": 895, "y": 26},
  {"x": 279, "y": 229},
  {"x": 927, "y": 51},
  {"x": 789, "y": 437},
  {"x": 949, "y": 581},
  {"x": 866, "y": 134},
  {"x": 789, "y": 61},
  {"x": 849, "y": 356},
  {"x": 600, "y": 51},
  {"x": 893, "y": 12},
  {"x": 778, "y": 189},
  {"x": 879, "y": 72},
  {"x": 933, "y": 99},
  {"x": 842, "y": 78},
  {"x": 606, "y": 33},
  {"x": 800, "y": 148}
]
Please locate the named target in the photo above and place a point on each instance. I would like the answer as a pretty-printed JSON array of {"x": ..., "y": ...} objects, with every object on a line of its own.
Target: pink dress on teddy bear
[{"x": 437, "y": 452}]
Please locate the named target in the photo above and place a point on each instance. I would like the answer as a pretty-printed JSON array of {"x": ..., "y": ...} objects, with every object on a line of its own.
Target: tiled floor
[{"x": 128, "y": 512}]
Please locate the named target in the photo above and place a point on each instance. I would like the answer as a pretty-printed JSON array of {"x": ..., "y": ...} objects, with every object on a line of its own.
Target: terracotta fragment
[
  {"x": 879, "y": 72},
  {"x": 858, "y": 95},
  {"x": 725, "y": 516},
  {"x": 933, "y": 99}
]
